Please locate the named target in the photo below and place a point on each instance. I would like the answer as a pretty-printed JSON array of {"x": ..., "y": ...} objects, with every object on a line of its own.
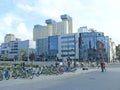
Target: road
[{"x": 92, "y": 79}]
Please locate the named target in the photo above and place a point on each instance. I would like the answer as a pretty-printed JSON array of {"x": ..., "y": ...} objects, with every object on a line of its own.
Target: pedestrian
[
  {"x": 103, "y": 69},
  {"x": 68, "y": 62},
  {"x": 82, "y": 64},
  {"x": 75, "y": 65},
  {"x": 56, "y": 64}
]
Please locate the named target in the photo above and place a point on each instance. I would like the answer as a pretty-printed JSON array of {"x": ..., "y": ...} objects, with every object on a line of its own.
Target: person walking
[{"x": 103, "y": 66}]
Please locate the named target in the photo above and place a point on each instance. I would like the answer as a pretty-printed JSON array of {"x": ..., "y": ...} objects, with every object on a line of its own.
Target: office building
[
  {"x": 53, "y": 48},
  {"x": 15, "y": 49},
  {"x": 112, "y": 50},
  {"x": 93, "y": 46},
  {"x": 68, "y": 46},
  {"x": 42, "y": 49}
]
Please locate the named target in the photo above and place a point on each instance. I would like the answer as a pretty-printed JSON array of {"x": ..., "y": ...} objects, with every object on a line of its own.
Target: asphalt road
[{"x": 92, "y": 79}]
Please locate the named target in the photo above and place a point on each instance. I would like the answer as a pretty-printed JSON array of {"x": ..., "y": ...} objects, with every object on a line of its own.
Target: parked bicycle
[
  {"x": 7, "y": 73},
  {"x": 1, "y": 74}
]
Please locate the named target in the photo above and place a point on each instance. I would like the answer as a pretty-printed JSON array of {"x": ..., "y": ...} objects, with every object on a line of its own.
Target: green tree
[
  {"x": 32, "y": 56},
  {"x": 118, "y": 52}
]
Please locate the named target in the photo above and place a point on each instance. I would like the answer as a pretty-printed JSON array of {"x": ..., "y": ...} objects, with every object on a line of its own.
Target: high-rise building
[
  {"x": 53, "y": 28},
  {"x": 9, "y": 37}
]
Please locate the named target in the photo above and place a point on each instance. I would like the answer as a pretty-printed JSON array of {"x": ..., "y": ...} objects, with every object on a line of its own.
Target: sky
[{"x": 19, "y": 16}]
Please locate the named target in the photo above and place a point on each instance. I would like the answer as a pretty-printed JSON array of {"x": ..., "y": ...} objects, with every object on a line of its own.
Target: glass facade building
[
  {"x": 41, "y": 49},
  {"x": 105, "y": 55},
  {"x": 53, "y": 48},
  {"x": 93, "y": 46}
]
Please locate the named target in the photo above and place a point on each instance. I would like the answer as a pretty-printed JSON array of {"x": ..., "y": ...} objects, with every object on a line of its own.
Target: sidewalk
[
  {"x": 80, "y": 71},
  {"x": 68, "y": 74},
  {"x": 44, "y": 78}
]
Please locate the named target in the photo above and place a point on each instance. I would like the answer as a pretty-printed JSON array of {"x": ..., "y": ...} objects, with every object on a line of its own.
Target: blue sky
[{"x": 20, "y": 16}]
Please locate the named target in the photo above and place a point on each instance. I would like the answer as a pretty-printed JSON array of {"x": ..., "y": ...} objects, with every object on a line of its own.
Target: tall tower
[
  {"x": 67, "y": 19},
  {"x": 50, "y": 25}
]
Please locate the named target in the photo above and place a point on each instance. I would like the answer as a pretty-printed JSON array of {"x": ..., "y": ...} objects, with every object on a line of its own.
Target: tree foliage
[
  {"x": 118, "y": 52},
  {"x": 32, "y": 56}
]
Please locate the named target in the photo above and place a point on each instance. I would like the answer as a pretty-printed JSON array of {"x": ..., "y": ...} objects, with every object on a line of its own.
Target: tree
[
  {"x": 43, "y": 56},
  {"x": 118, "y": 52},
  {"x": 23, "y": 53},
  {"x": 32, "y": 56}
]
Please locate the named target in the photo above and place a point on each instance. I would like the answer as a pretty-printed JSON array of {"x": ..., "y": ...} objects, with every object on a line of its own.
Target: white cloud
[
  {"x": 23, "y": 32},
  {"x": 1, "y": 38},
  {"x": 7, "y": 24},
  {"x": 10, "y": 18},
  {"x": 103, "y": 15},
  {"x": 11, "y": 23},
  {"x": 98, "y": 14},
  {"x": 25, "y": 7}
]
